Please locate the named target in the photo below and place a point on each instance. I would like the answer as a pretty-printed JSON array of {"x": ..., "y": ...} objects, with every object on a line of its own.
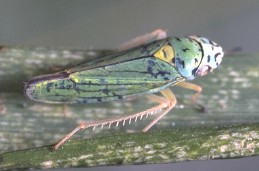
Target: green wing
[
  {"x": 119, "y": 80},
  {"x": 128, "y": 55}
]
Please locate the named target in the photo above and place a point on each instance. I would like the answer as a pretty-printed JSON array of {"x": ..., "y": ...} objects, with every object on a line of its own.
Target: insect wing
[{"x": 134, "y": 77}]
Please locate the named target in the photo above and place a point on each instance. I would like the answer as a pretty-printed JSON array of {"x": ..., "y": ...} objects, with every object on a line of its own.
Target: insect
[{"x": 143, "y": 70}]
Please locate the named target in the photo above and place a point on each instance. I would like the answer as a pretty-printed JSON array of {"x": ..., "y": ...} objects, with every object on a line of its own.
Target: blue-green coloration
[{"x": 143, "y": 70}]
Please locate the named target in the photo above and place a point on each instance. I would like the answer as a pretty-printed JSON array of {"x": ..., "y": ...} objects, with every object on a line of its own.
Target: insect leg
[
  {"x": 140, "y": 40},
  {"x": 170, "y": 97},
  {"x": 66, "y": 111},
  {"x": 194, "y": 98},
  {"x": 191, "y": 86},
  {"x": 163, "y": 103}
]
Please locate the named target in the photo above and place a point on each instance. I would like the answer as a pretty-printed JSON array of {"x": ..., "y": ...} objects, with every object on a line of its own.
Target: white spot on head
[{"x": 212, "y": 55}]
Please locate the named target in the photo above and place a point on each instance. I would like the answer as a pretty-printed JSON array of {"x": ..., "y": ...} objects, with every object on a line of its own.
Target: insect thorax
[{"x": 184, "y": 54}]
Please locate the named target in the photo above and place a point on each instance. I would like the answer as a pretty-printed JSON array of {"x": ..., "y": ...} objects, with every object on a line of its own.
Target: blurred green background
[{"x": 106, "y": 24}]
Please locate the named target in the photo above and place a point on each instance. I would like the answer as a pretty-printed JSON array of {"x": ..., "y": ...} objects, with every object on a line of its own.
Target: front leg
[{"x": 194, "y": 98}]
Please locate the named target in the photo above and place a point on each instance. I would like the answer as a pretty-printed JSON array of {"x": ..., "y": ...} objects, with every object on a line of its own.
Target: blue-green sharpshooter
[{"x": 143, "y": 70}]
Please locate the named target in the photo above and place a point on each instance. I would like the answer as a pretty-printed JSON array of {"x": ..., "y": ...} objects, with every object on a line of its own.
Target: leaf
[
  {"x": 228, "y": 129},
  {"x": 138, "y": 148}
]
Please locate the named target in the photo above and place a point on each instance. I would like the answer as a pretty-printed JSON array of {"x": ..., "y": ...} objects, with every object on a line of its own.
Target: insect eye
[{"x": 204, "y": 70}]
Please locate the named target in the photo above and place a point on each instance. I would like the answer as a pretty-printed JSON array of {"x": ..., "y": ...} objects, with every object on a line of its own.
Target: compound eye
[{"x": 204, "y": 70}]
